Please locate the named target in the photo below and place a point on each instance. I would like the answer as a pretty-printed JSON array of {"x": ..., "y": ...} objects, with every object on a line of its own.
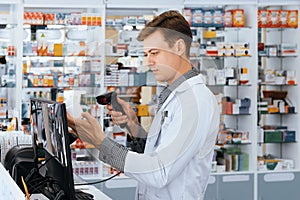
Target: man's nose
[{"x": 150, "y": 61}]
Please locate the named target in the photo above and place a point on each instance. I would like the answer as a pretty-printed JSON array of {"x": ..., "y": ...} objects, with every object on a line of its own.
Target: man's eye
[{"x": 154, "y": 53}]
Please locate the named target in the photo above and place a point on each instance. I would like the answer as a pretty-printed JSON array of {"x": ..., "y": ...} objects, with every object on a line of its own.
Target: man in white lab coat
[{"x": 173, "y": 160}]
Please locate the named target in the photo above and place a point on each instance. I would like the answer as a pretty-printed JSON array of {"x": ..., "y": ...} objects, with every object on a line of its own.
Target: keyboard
[{"x": 79, "y": 195}]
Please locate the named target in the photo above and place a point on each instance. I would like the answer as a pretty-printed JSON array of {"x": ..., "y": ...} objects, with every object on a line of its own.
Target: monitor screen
[{"x": 51, "y": 145}]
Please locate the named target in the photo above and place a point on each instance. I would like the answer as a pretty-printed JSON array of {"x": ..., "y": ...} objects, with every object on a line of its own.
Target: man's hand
[
  {"x": 118, "y": 118},
  {"x": 87, "y": 128}
]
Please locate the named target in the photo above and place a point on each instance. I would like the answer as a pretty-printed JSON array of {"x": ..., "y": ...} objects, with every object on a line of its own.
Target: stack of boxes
[
  {"x": 198, "y": 17},
  {"x": 277, "y": 18}
]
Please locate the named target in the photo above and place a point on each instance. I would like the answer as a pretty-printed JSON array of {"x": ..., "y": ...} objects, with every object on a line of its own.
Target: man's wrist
[{"x": 99, "y": 141}]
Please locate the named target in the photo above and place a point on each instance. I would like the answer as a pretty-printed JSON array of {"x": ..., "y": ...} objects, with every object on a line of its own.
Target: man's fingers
[
  {"x": 87, "y": 116},
  {"x": 115, "y": 113}
]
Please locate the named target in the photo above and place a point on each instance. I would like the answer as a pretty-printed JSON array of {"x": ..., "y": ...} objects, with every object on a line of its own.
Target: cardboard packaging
[{"x": 238, "y": 18}]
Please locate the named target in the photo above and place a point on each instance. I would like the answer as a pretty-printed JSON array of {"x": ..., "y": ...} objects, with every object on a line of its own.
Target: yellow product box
[
  {"x": 209, "y": 34},
  {"x": 58, "y": 49},
  {"x": 142, "y": 110},
  {"x": 273, "y": 109}
]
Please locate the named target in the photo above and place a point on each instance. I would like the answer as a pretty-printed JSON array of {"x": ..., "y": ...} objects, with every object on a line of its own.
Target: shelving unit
[
  {"x": 11, "y": 25},
  {"x": 234, "y": 122},
  {"x": 64, "y": 48},
  {"x": 284, "y": 148},
  {"x": 64, "y": 53}
]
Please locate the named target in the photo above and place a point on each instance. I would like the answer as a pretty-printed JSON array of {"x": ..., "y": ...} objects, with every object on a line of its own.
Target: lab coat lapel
[{"x": 156, "y": 126}]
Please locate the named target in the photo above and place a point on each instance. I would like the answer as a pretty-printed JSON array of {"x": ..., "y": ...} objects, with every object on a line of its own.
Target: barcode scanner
[{"x": 111, "y": 99}]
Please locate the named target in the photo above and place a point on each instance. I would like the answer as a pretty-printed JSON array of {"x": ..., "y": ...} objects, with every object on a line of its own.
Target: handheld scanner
[{"x": 111, "y": 99}]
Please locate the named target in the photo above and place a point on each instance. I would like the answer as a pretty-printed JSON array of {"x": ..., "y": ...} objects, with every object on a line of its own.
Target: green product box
[{"x": 273, "y": 136}]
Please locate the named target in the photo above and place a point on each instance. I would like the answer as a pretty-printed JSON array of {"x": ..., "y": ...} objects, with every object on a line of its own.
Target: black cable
[
  {"x": 43, "y": 164},
  {"x": 96, "y": 182},
  {"x": 38, "y": 185},
  {"x": 50, "y": 184},
  {"x": 60, "y": 194}
]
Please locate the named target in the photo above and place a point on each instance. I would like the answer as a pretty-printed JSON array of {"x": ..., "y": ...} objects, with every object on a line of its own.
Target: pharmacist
[{"x": 173, "y": 160}]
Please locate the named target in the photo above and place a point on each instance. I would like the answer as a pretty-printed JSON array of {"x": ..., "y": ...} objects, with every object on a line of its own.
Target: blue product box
[
  {"x": 208, "y": 18},
  {"x": 246, "y": 102},
  {"x": 289, "y": 136},
  {"x": 218, "y": 17},
  {"x": 197, "y": 17},
  {"x": 244, "y": 110}
]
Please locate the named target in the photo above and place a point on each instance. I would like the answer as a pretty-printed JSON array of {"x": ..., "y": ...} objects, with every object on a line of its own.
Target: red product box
[
  {"x": 263, "y": 19},
  {"x": 284, "y": 18},
  {"x": 274, "y": 18}
]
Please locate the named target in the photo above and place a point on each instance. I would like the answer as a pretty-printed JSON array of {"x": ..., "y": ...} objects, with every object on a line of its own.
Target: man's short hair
[{"x": 173, "y": 26}]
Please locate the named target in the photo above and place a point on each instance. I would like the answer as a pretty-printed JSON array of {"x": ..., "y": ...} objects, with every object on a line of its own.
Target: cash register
[{"x": 47, "y": 165}]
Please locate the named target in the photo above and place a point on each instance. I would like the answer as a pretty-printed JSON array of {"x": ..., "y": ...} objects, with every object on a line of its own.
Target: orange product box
[
  {"x": 49, "y": 18},
  {"x": 94, "y": 20},
  {"x": 84, "y": 19},
  {"x": 26, "y": 18},
  {"x": 89, "y": 19},
  {"x": 142, "y": 110},
  {"x": 228, "y": 108},
  {"x": 263, "y": 18},
  {"x": 99, "y": 20},
  {"x": 274, "y": 17},
  {"x": 238, "y": 18},
  {"x": 58, "y": 49},
  {"x": 292, "y": 19},
  {"x": 33, "y": 18}
]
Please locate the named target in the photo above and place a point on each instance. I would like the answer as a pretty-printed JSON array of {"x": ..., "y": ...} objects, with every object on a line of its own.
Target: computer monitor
[{"x": 51, "y": 144}]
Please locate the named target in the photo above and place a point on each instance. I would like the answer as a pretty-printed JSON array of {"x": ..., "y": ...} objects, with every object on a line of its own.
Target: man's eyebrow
[{"x": 152, "y": 49}]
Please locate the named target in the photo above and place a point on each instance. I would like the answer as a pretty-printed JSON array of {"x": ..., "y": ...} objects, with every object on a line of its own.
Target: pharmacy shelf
[{"x": 64, "y": 4}]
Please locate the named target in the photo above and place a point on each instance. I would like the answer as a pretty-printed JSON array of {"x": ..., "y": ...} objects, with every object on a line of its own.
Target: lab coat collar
[{"x": 183, "y": 87}]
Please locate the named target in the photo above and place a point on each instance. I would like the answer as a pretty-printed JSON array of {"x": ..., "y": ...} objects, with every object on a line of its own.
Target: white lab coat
[{"x": 177, "y": 159}]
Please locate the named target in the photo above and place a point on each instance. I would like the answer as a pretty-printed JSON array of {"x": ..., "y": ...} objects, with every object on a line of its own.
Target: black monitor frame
[{"x": 51, "y": 143}]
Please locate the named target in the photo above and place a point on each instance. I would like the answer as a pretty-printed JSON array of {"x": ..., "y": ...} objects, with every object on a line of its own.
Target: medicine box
[
  {"x": 272, "y": 136},
  {"x": 263, "y": 16},
  {"x": 238, "y": 18},
  {"x": 188, "y": 14},
  {"x": 197, "y": 17},
  {"x": 217, "y": 17},
  {"x": 289, "y": 136},
  {"x": 142, "y": 110},
  {"x": 208, "y": 18},
  {"x": 292, "y": 19}
]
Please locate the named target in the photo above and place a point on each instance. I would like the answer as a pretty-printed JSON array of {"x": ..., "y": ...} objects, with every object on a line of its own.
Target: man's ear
[{"x": 180, "y": 47}]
